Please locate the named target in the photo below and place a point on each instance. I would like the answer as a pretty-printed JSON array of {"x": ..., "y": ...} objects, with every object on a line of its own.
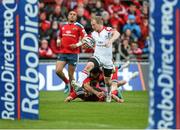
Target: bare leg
[
  {"x": 59, "y": 70},
  {"x": 83, "y": 75},
  {"x": 108, "y": 83},
  {"x": 71, "y": 70}
]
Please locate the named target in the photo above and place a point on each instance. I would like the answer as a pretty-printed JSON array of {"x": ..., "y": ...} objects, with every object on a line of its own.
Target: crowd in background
[{"x": 129, "y": 17}]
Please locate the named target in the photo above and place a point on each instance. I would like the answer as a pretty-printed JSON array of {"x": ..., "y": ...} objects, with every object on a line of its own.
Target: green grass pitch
[{"x": 54, "y": 113}]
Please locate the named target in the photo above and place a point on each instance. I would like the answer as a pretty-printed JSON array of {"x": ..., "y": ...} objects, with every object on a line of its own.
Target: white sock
[
  {"x": 108, "y": 89},
  {"x": 82, "y": 76},
  {"x": 135, "y": 74}
]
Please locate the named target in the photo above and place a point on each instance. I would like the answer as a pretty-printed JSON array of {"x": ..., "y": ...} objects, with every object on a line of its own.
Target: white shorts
[{"x": 104, "y": 62}]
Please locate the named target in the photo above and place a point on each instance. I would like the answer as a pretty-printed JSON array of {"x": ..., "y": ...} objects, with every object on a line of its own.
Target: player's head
[
  {"x": 72, "y": 16},
  {"x": 97, "y": 23},
  {"x": 95, "y": 72}
]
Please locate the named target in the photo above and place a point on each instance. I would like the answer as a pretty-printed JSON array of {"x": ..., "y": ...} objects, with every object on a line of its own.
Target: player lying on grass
[{"x": 94, "y": 87}]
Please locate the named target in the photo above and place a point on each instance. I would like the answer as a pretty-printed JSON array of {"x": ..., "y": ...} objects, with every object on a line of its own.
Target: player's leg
[
  {"x": 80, "y": 93},
  {"x": 71, "y": 70},
  {"x": 85, "y": 73},
  {"x": 116, "y": 97},
  {"x": 108, "y": 82},
  {"x": 72, "y": 60},
  {"x": 124, "y": 65},
  {"x": 73, "y": 95},
  {"x": 59, "y": 71}
]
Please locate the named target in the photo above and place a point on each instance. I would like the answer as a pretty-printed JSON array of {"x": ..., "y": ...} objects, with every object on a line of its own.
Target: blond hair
[{"x": 98, "y": 19}]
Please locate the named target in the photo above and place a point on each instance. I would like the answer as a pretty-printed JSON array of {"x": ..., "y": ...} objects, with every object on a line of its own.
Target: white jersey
[{"x": 101, "y": 52}]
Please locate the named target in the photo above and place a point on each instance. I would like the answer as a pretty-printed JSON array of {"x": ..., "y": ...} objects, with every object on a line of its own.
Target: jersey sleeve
[
  {"x": 109, "y": 30},
  {"x": 81, "y": 30},
  {"x": 87, "y": 80}
]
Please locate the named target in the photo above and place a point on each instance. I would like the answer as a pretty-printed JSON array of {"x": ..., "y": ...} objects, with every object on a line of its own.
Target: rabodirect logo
[
  {"x": 166, "y": 71},
  {"x": 161, "y": 83},
  {"x": 8, "y": 67},
  {"x": 29, "y": 47}
]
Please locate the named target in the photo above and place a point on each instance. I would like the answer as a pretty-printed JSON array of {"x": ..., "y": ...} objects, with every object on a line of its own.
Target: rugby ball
[{"x": 89, "y": 41}]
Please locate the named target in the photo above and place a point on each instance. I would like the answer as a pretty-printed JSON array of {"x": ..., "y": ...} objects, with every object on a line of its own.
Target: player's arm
[
  {"x": 58, "y": 41},
  {"x": 73, "y": 46},
  {"x": 115, "y": 35},
  {"x": 91, "y": 90},
  {"x": 82, "y": 34},
  {"x": 86, "y": 42}
]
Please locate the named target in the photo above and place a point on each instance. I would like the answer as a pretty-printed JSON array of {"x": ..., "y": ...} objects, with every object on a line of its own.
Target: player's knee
[
  {"x": 89, "y": 66},
  {"x": 108, "y": 81},
  {"x": 58, "y": 71}
]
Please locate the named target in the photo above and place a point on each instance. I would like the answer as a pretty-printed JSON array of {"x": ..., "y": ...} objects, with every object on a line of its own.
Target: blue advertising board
[
  {"x": 19, "y": 59},
  {"x": 164, "y": 81},
  {"x": 49, "y": 81}
]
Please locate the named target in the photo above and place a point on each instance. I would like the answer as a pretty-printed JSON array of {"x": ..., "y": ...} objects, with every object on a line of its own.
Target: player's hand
[
  {"x": 85, "y": 46},
  {"x": 100, "y": 94},
  {"x": 108, "y": 43},
  {"x": 73, "y": 46},
  {"x": 58, "y": 41}
]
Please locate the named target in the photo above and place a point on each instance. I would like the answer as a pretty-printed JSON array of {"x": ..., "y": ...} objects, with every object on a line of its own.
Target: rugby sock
[
  {"x": 108, "y": 89},
  {"x": 71, "y": 89},
  {"x": 83, "y": 75},
  {"x": 134, "y": 75},
  {"x": 66, "y": 81}
]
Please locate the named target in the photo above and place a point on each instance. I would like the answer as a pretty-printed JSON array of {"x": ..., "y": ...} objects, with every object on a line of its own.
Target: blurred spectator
[
  {"x": 124, "y": 49},
  {"x": 106, "y": 18},
  {"x": 64, "y": 9},
  {"x": 135, "y": 49},
  {"x": 127, "y": 35},
  {"x": 54, "y": 35},
  {"x": 144, "y": 32},
  {"x": 88, "y": 5},
  {"x": 82, "y": 19},
  {"x": 145, "y": 9},
  {"x": 86, "y": 13},
  {"x": 107, "y": 3},
  {"x": 45, "y": 7},
  {"x": 71, "y": 4},
  {"x": 117, "y": 13},
  {"x": 131, "y": 25},
  {"x": 44, "y": 50},
  {"x": 134, "y": 11},
  {"x": 44, "y": 26},
  {"x": 98, "y": 9},
  {"x": 115, "y": 50},
  {"x": 57, "y": 15}
]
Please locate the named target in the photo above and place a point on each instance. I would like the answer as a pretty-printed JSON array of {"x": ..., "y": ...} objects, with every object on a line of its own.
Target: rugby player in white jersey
[{"x": 104, "y": 38}]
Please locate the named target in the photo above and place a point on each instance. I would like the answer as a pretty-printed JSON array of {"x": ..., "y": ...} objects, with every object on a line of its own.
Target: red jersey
[
  {"x": 71, "y": 34},
  {"x": 99, "y": 81}
]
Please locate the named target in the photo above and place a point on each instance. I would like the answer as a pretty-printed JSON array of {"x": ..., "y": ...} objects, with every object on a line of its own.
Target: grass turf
[{"x": 54, "y": 113}]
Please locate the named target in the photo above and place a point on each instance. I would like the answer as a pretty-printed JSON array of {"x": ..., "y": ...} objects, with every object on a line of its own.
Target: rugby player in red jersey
[
  {"x": 70, "y": 34},
  {"x": 93, "y": 88}
]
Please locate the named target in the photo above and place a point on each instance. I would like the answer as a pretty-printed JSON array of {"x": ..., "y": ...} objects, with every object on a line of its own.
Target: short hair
[{"x": 98, "y": 19}]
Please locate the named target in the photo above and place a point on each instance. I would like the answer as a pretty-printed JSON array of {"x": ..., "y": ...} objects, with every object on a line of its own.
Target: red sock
[
  {"x": 73, "y": 94},
  {"x": 115, "y": 92},
  {"x": 71, "y": 89},
  {"x": 66, "y": 81}
]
